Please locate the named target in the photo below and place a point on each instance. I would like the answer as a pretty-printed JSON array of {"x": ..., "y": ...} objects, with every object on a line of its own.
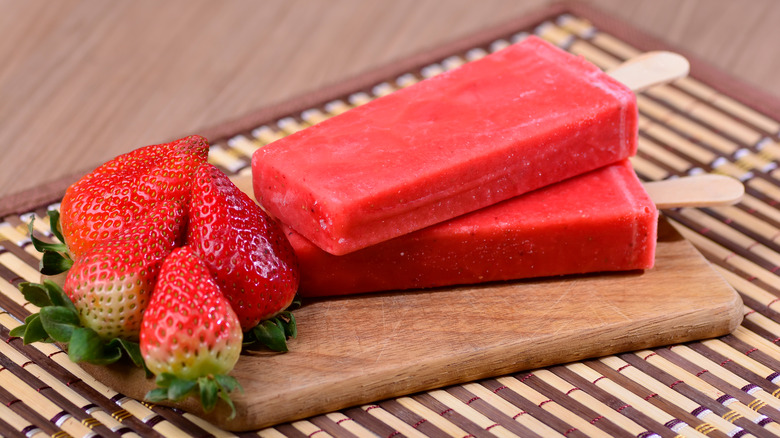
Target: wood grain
[
  {"x": 84, "y": 80},
  {"x": 360, "y": 349}
]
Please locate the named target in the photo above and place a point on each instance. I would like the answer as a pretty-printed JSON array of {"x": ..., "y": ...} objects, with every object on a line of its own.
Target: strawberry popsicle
[
  {"x": 600, "y": 221},
  {"x": 516, "y": 120}
]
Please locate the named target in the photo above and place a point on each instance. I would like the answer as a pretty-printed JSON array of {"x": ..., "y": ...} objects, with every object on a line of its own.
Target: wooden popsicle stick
[
  {"x": 695, "y": 191},
  {"x": 651, "y": 68},
  {"x": 691, "y": 191}
]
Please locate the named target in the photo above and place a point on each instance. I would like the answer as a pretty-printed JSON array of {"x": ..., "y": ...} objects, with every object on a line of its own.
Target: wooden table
[{"x": 84, "y": 80}]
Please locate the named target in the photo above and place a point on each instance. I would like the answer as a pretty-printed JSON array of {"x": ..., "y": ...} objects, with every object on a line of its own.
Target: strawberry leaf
[
  {"x": 132, "y": 349},
  {"x": 208, "y": 389},
  {"x": 58, "y": 296},
  {"x": 42, "y": 246},
  {"x": 157, "y": 395},
  {"x": 228, "y": 383},
  {"x": 54, "y": 224},
  {"x": 53, "y": 263},
  {"x": 164, "y": 380},
  {"x": 87, "y": 346},
  {"x": 59, "y": 322},
  {"x": 34, "y": 331},
  {"x": 270, "y": 334},
  {"x": 181, "y": 388},
  {"x": 35, "y": 293},
  {"x": 287, "y": 321},
  {"x": 55, "y": 255},
  {"x": 224, "y": 396},
  {"x": 18, "y": 331},
  {"x": 31, "y": 324}
]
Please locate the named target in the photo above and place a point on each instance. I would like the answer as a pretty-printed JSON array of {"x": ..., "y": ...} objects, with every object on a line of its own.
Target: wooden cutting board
[{"x": 362, "y": 349}]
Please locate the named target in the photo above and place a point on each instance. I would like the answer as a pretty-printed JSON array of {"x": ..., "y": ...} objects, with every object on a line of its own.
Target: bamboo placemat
[{"x": 720, "y": 387}]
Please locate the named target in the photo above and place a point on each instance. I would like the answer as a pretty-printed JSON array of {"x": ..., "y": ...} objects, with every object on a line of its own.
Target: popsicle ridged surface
[{"x": 519, "y": 119}]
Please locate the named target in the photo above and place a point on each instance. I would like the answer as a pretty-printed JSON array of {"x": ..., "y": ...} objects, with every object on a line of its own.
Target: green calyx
[
  {"x": 274, "y": 332},
  {"x": 209, "y": 389},
  {"x": 58, "y": 321},
  {"x": 56, "y": 258}
]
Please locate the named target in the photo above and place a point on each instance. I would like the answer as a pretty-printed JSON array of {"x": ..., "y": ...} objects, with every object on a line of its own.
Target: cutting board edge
[
  {"x": 731, "y": 311},
  {"x": 729, "y": 316}
]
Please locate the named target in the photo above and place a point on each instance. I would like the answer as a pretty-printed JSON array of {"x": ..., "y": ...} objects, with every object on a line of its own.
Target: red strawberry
[
  {"x": 123, "y": 189},
  {"x": 245, "y": 250},
  {"x": 111, "y": 284},
  {"x": 189, "y": 330}
]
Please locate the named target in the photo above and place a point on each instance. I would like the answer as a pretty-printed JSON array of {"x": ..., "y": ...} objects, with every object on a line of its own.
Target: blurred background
[{"x": 82, "y": 81}]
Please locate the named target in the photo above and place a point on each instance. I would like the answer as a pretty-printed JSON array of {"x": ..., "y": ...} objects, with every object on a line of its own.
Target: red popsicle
[
  {"x": 519, "y": 119},
  {"x": 600, "y": 221}
]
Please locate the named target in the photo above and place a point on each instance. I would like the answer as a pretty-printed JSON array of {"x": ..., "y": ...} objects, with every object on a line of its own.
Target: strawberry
[
  {"x": 189, "y": 332},
  {"x": 246, "y": 251},
  {"x": 110, "y": 285},
  {"x": 123, "y": 189}
]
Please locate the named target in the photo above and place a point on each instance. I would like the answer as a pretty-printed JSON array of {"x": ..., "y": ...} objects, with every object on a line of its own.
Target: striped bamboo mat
[{"x": 728, "y": 386}]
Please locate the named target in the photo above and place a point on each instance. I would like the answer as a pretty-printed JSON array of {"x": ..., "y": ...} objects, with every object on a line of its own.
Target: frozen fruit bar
[
  {"x": 519, "y": 119},
  {"x": 600, "y": 221}
]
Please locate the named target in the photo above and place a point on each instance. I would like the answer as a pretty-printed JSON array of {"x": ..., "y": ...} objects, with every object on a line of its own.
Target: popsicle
[
  {"x": 521, "y": 118},
  {"x": 600, "y": 221}
]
